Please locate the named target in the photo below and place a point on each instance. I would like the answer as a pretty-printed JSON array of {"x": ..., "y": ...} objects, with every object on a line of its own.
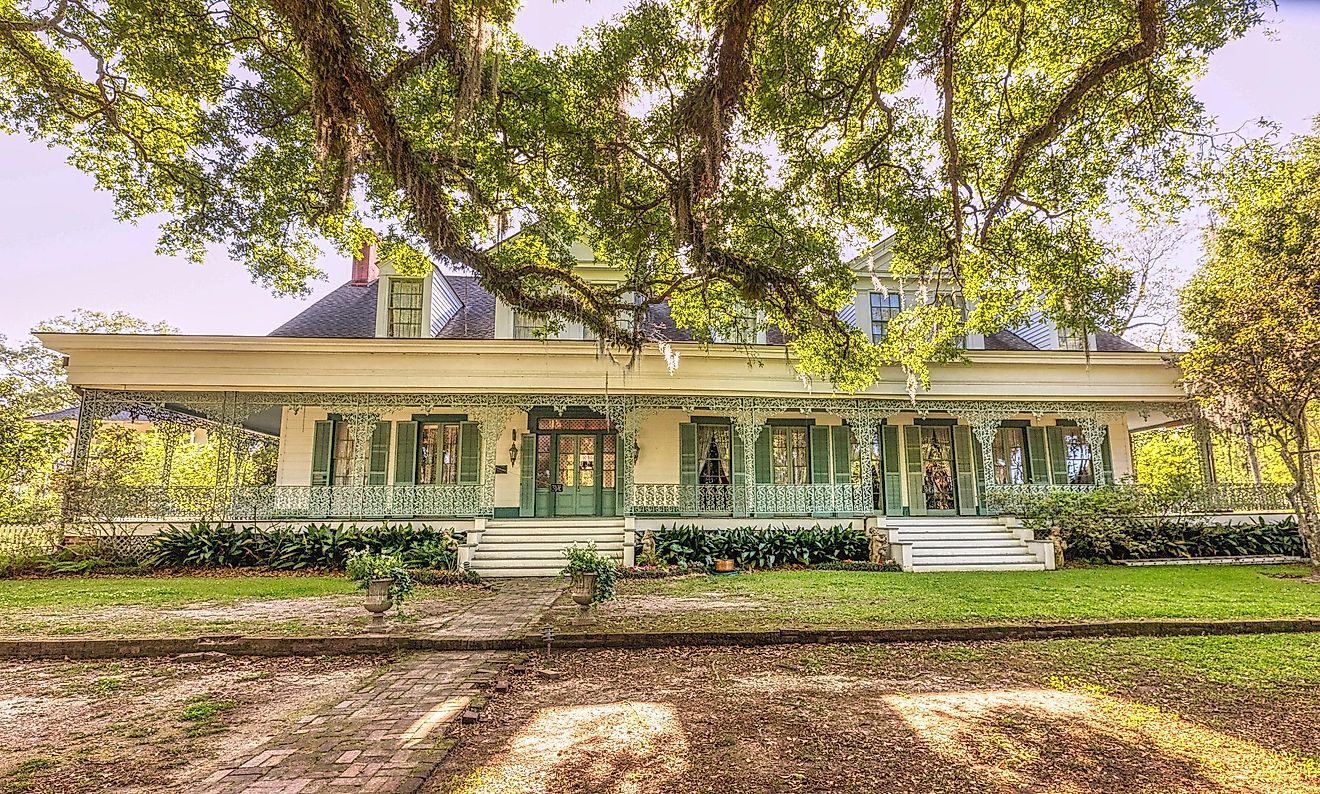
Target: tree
[
  {"x": 719, "y": 155},
  {"x": 1148, "y": 315},
  {"x": 1254, "y": 310},
  {"x": 31, "y": 382}
]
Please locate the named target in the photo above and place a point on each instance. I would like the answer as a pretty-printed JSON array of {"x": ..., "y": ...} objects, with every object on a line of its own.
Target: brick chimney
[{"x": 364, "y": 267}]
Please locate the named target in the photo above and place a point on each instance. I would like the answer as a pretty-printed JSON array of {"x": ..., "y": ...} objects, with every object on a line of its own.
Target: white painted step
[
  {"x": 989, "y": 543},
  {"x": 518, "y": 573},
  {"x": 950, "y": 568},
  {"x": 554, "y": 554},
  {"x": 535, "y": 544}
]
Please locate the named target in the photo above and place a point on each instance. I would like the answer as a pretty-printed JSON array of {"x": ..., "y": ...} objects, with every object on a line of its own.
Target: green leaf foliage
[
  {"x": 756, "y": 547},
  {"x": 726, "y": 158},
  {"x": 314, "y": 546}
]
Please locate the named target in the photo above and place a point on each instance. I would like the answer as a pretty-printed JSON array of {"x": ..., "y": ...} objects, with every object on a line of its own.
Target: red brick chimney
[{"x": 364, "y": 267}]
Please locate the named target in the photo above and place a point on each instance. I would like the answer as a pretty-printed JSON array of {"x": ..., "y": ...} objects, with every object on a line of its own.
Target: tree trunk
[
  {"x": 1304, "y": 499},
  {"x": 1250, "y": 441}
]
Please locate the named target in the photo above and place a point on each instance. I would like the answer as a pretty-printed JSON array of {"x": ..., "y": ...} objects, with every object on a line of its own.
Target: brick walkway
[
  {"x": 515, "y": 609},
  {"x": 387, "y": 736}
]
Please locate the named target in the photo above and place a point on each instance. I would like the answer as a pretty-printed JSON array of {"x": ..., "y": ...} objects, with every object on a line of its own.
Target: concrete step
[
  {"x": 953, "y": 567},
  {"x": 508, "y": 572},
  {"x": 988, "y": 543},
  {"x": 553, "y": 537},
  {"x": 533, "y": 544},
  {"x": 951, "y": 556},
  {"x": 557, "y": 555}
]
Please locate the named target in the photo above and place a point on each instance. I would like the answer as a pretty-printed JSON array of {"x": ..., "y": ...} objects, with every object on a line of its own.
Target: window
[
  {"x": 788, "y": 456},
  {"x": 1077, "y": 454},
  {"x": 437, "y": 453},
  {"x": 959, "y": 305},
  {"x": 1071, "y": 339},
  {"x": 884, "y": 306},
  {"x": 341, "y": 460},
  {"x": 713, "y": 445},
  {"x": 405, "y": 309},
  {"x": 1010, "y": 451},
  {"x": 526, "y": 327}
]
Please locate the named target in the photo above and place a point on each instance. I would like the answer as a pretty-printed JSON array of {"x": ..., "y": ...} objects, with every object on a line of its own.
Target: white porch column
[
  {"x": 747, "y": 427},
  {"x": 864, "y": 428},
  {"x": 491, "y": 421},
  {"x": 1095, "y": 429}
]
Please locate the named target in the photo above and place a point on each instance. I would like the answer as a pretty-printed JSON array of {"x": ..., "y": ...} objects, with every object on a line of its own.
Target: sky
[{"x": 62, "y": 248}]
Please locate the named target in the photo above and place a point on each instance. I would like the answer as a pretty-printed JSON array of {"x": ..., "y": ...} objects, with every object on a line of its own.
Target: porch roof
[{"x": 236, "y": 363}]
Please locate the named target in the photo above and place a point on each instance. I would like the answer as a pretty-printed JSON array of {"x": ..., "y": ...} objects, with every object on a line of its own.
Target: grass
[
  {"x": 796, "y": 599},
  {"x": 153, "y": 591}
]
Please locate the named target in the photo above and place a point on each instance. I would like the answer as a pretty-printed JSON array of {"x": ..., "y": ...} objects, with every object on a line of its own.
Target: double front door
[{"x": 582, "y": 474}]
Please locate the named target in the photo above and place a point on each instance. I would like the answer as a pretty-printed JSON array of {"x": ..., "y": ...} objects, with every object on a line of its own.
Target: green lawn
[
  {"x": 799, "y": 599},
  {"x": 126, "y": 606},
  {"x": 160, "y": 591}
]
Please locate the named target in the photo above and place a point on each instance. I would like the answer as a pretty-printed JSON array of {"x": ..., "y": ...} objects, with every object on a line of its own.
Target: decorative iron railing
[
  {"x": 1212, "y": 498},
  {"x": 275, "y": 502},
  {"x": 724, "y": 500},
  {"x": 649, "y": 498}
]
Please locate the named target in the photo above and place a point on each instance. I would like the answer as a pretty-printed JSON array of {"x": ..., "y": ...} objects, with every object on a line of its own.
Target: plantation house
[{"x": 397, "y": 398}]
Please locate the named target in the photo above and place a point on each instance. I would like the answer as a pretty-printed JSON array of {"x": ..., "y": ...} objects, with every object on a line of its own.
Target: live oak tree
[
  {"x": 1254, "y": 310},
  {"x": 726, "y": 157}
]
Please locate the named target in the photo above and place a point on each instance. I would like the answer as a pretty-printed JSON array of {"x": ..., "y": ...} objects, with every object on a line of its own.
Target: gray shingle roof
[
  {"x": 1106, "y": 342},
  {"x": 350, "y": 313},
  {"x": 347, "y": 313},
  {"x": 1007, "y": 340},
  {"x": 475, "y": 319}
]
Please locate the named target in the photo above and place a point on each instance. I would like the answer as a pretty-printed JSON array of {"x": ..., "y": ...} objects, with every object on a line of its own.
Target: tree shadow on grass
[{"x": 697, "y": 721}]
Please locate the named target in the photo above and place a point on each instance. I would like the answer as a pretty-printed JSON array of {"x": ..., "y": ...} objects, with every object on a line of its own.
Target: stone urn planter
[
  {"x": 378, "y": 602},
  {"x": 583, "y": 592},
  {"x": 724, "y": 566}
]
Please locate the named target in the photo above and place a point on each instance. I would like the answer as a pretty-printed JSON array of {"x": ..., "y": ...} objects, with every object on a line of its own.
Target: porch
[{"x": 399, "y": 457}]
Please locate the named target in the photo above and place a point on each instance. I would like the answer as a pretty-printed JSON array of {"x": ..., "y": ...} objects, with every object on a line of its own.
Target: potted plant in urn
[
  {"x": 593, "y": 576},
  {"x": 384, "y": 578}
]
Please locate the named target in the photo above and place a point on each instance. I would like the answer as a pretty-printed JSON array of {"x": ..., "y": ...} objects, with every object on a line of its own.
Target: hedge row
[
  {"x": 756, "y": 547},
  {"x": 206, "y": 545}
]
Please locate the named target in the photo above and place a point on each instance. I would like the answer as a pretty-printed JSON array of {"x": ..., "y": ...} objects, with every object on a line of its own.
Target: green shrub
[
  {"x": 755, "y": 547},
  {"x": 204, "y": 545},
  {"x": 585, "y": 559},
  {"x": 1110, "y": 524},
  {"x": 888, "y": 566},
  {"x": 364, "y": 567}
]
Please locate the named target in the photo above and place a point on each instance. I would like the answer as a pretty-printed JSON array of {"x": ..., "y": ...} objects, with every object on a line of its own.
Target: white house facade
[{"x": 427, "y": 400}]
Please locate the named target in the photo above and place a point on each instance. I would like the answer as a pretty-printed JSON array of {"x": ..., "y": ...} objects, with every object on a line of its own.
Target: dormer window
[
  {"x": 526, "y": 326},
  {"x": 1071, "y": 339},
  {"x": 884, "y": 307},
  {"x": 405, "y": 308}
]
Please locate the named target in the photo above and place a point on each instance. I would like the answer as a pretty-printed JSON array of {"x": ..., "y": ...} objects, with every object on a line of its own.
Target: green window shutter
[
  {"x": 819, "y": 462},
  {"x": 978, "y": 459},
  {"x": 380, "y": 454},
  {"x": 405, "y": 453},
  {"x": 1036, "y": 459},
  {"x": 916, "y": 479},
  {"x": 527, "y": 475},
  {"x": 1108, "y": 459},
  {"x": 841, "y": 437},
  {"x": 963, "y": 461},
  {"x": 739, "y": 474},
  {"x": 469, "y": 453},
  {"x": 1058, "y": 458},
  {"x": 687, "y": 453},
  {"x": 322, "y": 442},
  {"x": 893, "y": 470},
  {"x": 763, "y": 456}
]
